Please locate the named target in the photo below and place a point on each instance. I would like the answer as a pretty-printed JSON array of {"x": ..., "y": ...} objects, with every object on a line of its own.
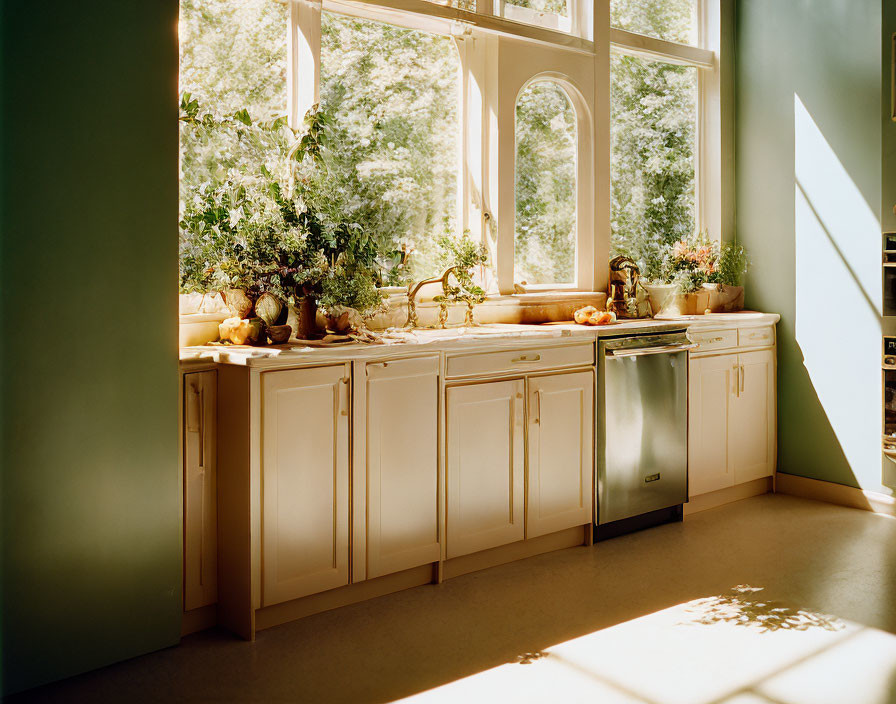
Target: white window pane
[
  {"x": 653, "y": 132},
  {"x": 545, "y": 244},
  {"x": 557, "y": 7},
  {"x": 233, "y": 55},
  {"x": 552, "y": 14},
  {"x": 672, "y": 20},
  {"x": 393, "y": 96}
]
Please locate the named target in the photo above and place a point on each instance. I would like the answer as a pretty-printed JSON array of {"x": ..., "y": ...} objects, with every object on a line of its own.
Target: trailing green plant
[{"x": 265, "y": 209}]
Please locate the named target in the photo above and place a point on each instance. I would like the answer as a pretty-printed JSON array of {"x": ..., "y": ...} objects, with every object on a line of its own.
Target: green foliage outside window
[
  {"x": 672, "y": 20},
  {"x": 545, "y": 244},
  {"x": 393, "y": 96},
  {"x": 652, "y": 166}
]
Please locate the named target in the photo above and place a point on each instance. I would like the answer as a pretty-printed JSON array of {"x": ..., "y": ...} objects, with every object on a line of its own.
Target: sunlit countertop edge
[{"x": 461, "y": 339}]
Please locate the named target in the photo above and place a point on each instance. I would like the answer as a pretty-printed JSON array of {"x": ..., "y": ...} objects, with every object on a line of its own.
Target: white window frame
[{"x": 499, "y": 56}]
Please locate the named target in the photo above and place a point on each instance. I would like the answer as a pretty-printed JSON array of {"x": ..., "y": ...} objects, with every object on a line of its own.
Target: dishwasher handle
[{"x": 643, "y": 351}]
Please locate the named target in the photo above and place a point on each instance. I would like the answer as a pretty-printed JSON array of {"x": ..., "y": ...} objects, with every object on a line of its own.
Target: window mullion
[
  {"x": 303, "y": 59},
  {"x": 601, "y": 143}
]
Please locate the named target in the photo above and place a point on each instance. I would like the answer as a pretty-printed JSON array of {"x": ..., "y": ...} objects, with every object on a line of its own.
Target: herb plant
[{"x": 461, "y": 255}]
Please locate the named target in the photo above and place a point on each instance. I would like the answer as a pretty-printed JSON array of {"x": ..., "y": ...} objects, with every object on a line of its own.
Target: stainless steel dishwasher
[{"x": 642, "y": 459}]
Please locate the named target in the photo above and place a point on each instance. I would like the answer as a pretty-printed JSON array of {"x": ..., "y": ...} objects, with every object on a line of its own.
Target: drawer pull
[{"x": 526, "y": 358}]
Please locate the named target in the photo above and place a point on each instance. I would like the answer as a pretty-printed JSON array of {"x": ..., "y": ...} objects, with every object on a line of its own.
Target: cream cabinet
[
  {"x": 753, "y": 417},
  {"x": 304, "y": 482},
  {"x": 732, "y": 419},
  {"x": 396, "y": 472},
  {"x": 200, "y": 492},
  {"x": 519, "y": 456},
  {"x": 485, "y": 470},
  {"x": 560, "y": 466}
]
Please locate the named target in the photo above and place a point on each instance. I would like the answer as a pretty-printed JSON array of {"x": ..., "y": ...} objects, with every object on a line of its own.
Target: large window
[{"x": 503, "y": 119}]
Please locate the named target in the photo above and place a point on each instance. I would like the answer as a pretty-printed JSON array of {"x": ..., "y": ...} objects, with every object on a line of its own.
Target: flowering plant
[
  {"x": 693, "y": 262},
  {"x": 696, "y": 260}
]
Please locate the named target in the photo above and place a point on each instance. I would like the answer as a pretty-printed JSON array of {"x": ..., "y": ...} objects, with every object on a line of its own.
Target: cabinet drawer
[
  {"x": 525, "y": 360},
  {"x": 756, "y": 337},
  {"x": 713, "y": 340}
]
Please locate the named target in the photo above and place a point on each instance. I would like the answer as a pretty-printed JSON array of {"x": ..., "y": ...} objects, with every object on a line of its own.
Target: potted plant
[
  {"x": 656, "y": 279},
  {"x": 726, "y": 292},
  {"x": 461, "y": 255},
  {"x": 280, "y": 229},
  {"x": 695, "y": 275}
]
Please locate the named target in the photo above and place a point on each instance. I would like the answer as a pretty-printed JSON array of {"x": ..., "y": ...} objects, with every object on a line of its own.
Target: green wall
[
  {"x": 810, "y": 209},
  {"x": 88, "y": 266}
]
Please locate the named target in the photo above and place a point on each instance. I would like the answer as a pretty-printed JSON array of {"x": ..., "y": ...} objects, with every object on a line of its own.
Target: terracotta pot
[
  {"x": 695, "y": 303},
  {"x": 725, "y": 299},
  {"x": 666, "y": 300}
]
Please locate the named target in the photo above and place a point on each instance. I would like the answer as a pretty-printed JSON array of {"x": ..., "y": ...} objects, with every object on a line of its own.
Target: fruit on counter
[
  {"x": 589, "y": 315},
  {"x": 267, "y": 307},
  {"x": 242, "y": 331},
  {"x": 238, "y": 302},
  {"x": 583, "y": 315},
  {"x": 279, "y": 334}
]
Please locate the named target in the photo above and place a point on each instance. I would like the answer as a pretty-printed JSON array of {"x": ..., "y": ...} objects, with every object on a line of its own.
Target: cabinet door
[
  {"x": 402, "y": 464},
  {"x": 200, "y": 492},
  {"x": 561, "y": 459},
  {"x": 752, "y": 425},
  {"x": 485, "y": 466},
  {"x": 305, "y": 482},
  {"x": 711, "y": 392}
]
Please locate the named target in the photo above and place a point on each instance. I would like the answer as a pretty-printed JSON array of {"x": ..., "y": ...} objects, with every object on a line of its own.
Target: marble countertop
[{"x": 408, "y": 342}]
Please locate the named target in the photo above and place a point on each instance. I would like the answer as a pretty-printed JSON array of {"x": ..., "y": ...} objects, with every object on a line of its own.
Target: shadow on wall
[{"x": 838, "y": 324}]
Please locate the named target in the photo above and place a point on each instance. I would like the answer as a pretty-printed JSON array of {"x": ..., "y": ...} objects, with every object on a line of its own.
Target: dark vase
[{"x": 306, "y": 319}]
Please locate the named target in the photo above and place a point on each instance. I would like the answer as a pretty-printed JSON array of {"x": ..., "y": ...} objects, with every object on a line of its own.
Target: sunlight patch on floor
[{"x": 736, "y": 648}]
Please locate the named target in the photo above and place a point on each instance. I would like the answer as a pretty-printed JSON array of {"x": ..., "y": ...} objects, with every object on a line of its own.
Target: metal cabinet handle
[
  {"x": 644, "y": 351},
  {"x": 196, "y": 417},
  {"x": 743, "y": 374},
  {"x": 344, "y": 405},
  {"x": 527, "y": 358},
  {"x": 537, "y": 418},
  {"x": 737, "y": 380},
  {"x": 202, "y": 429}
]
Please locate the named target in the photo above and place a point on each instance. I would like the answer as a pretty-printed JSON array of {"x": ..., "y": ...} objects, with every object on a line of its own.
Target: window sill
[{"x": 518, "y": 308}]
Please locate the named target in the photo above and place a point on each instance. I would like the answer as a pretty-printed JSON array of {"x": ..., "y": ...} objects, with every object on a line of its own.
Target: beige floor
[{"x": 770, "y": 600}]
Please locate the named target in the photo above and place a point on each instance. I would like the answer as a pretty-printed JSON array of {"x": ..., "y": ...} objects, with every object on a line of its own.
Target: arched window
[{"x": 546, "y": 165}]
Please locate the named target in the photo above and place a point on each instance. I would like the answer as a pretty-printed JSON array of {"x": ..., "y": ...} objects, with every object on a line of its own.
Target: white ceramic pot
[{"x": 664, "y": 299}]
